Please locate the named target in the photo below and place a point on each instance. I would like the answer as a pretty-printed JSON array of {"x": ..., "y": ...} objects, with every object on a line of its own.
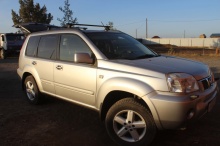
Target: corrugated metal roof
[{"x": 215, "y": 35}]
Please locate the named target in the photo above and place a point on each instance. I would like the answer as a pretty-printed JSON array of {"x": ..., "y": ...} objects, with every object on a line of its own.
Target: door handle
[
  {"x": 59, "y": 67},
  {"x": 34, "y": 62}
]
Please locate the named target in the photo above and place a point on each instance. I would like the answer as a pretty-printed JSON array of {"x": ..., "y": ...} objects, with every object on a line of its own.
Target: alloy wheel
[
  {"x": 129, "y": 125},
  {"x": 30, "y": 90}
]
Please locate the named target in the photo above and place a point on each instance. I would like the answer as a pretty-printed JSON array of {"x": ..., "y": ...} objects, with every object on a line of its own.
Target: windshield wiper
[{"x": 146, "y": 56}]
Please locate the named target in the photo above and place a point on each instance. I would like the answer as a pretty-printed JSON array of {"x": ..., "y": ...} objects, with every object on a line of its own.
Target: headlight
[{"x": 182, "y": 82}]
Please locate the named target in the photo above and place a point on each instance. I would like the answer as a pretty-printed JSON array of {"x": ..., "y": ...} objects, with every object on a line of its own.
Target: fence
[{"x": 185, "y": 42}]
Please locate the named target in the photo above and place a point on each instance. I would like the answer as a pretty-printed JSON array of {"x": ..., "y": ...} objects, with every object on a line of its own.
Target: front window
[
  {"x": 119, "y": 46},
  {"x": 70, "y": 45}
]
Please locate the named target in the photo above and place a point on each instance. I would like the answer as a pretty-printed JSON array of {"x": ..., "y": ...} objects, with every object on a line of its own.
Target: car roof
[{"x": 28, "y": 28}]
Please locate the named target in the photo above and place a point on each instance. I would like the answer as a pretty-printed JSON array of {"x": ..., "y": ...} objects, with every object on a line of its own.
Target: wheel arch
[
  {"x": 33, "y": 73},
  {"x": 123, "y": 84},
  {"x": 116, "y": 89},
  {"x": 25, "y": 75},
  {"x": 114, "y": 96}
]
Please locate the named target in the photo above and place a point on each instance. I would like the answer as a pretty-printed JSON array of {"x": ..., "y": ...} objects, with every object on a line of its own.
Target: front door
[{"x": 74, "y": 81}]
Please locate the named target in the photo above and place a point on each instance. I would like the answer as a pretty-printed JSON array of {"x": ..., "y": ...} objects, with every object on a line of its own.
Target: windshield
[{"x": 119, "y": 46}]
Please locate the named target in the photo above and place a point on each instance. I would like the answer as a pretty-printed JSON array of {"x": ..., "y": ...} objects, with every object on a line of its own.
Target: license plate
[{"x": 211, "y": 104}]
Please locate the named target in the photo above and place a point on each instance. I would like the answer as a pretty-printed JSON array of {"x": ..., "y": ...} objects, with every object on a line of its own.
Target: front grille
[{"x": 206, "y": 82}]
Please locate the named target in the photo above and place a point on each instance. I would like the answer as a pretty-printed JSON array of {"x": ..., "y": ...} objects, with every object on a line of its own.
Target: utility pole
[
  {"x": 146, "y": 28},
  {"x": 184, "y": 33}
]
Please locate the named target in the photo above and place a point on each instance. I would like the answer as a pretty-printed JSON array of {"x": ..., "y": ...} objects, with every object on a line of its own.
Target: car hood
[{"x": 161, "y": 65}]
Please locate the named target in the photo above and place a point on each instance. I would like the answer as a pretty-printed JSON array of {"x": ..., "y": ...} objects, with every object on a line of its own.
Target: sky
[{"x": 163, "y": 18}]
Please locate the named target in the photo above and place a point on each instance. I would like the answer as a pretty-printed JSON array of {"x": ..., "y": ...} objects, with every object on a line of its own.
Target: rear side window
[
  {"x": 32, "y": 46},
  {"x": 47, "y": 46}
]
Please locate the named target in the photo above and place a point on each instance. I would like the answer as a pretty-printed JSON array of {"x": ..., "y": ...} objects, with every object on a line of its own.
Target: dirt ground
[{"x": 58, "y": 123}]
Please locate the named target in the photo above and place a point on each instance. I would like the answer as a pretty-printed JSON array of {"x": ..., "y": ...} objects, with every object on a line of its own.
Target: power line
[
  {"x": 131, "y": 23},
  {"x": 185, "y": 20},
  {"x": 177, "y": 21}
]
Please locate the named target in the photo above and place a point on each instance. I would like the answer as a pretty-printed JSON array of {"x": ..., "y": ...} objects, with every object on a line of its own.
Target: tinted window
[
  {"x": 32, "y": 46},
  {"x": 47, "y": 46},
  {"x": 71, "y": 44},
  {"x": 119, "y": 46},
  {"x": 14, "y": 37}
]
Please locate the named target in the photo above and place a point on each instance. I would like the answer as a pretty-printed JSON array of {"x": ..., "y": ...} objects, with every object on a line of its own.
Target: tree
[
  {"x": 67, "y": 18},
  {"x": 29, "y": 12}
]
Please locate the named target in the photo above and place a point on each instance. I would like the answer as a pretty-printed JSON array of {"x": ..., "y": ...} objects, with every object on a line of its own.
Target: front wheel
[{"x": 130, "y": 123}]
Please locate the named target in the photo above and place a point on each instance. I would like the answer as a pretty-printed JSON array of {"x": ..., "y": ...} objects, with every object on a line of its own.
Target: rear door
[
  {"x": 42, "y": 59},
  {"x": 74, "y": 81}
]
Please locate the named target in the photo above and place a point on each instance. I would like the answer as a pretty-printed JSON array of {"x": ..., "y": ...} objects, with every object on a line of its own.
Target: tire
[
  {"x": 129, "y": 123},
  {"x": 31, "y": 90},
  {"x": 2, "y": 54}
]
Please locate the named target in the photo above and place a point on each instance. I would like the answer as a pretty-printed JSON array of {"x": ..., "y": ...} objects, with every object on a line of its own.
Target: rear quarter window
[{"x": 32, "y": 46}]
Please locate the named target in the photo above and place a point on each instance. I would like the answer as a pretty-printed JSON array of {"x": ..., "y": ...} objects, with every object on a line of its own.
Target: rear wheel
[
  {"x": 32, "y": 91},
  {"x": 130, "y": 123},
  {"x": 3, "y": 54}
]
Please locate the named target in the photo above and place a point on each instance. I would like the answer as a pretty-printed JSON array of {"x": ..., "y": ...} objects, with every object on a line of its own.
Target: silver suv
[{"x": 135, "y": 90}]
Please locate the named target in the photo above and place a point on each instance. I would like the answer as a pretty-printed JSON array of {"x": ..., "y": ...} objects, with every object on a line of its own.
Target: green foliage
[
  {"x": 29, "y": 12},
  {"x": 67, "y": 18}
]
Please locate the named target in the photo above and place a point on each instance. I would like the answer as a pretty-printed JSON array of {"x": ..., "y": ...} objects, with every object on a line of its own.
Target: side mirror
[{"x": 83, "y": 58}]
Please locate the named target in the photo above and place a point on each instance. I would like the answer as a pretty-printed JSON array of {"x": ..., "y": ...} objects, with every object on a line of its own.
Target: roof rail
[{"x": 69, "y": 25}]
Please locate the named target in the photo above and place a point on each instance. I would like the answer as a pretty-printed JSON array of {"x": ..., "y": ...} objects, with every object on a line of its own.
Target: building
[{"x": 215, "y": 35}]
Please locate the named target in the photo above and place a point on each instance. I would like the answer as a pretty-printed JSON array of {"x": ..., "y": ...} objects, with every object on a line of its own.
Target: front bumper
[{"x": 172, "y": 111}]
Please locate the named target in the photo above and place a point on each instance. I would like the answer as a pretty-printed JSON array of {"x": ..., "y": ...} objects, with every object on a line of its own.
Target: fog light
[{"x": 190, "y": 114}]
